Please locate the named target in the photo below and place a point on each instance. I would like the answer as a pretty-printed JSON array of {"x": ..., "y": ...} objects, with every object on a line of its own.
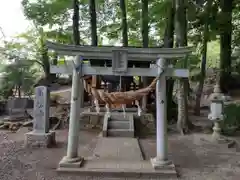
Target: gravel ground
[{"x": 196, "y": 159}]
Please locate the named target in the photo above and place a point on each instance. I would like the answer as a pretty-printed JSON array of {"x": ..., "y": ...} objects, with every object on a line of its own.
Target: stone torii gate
[{"x": 120, "y": 57}]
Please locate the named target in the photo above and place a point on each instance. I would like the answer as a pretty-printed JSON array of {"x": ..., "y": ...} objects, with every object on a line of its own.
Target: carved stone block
[{"x": 45, "y": 140}]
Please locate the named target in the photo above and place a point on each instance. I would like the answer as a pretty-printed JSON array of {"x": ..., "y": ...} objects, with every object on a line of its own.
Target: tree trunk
[
  {"x": 94, "y": 40},
  {"x": 124, "y": 23},
  {"x": 204, "y": 59},
  {"x": 197, "y": 107},
  {"x": 75, "y": 18},
  {"x": 44, "y": 55},
  {"x": 45, "y": 62},
  {"x": 124, "y": 28},
  {"x": 145, "y": 28},
  {"x": 145, "y": 41},
  {"x": 19, "y": 91},
  {"x": 225, "y": 43},
  {"x": 183, "y": 123},
  {"x": 93, "y": 22},
  {"x": 168, "y": 43}
]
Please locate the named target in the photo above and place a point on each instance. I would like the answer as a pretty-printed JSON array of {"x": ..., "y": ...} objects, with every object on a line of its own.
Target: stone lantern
[{"x": 216, "y": 111}]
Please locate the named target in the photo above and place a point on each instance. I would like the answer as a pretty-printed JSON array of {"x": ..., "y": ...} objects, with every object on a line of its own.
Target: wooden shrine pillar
[
  {"x": 95, "y": 84},
  {"x": 145, "y": 98},
  {"x": 95, "y": 81}
]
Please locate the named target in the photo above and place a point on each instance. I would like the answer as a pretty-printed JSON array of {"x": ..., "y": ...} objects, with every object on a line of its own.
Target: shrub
[{"x": 231, "y": 122}]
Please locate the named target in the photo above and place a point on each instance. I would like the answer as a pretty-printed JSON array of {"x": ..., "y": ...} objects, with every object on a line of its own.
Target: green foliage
[
  {"x": 213, "y": 53},
  {"x": 19, "y": 72},
  {"x": 231, "y": 121},
  {"x": 236, "y": 25},
  {"x": 56, "y": 15},
  {"x": 5, "y": 89},
  {"x": 194, "y": 61},
  {"x": 49, "y": 12},
  {"x": 18, "y": 76},
  {"x": 34, "y": 42}
]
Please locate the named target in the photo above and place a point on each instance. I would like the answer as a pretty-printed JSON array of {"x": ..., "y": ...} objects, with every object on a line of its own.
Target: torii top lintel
[{"x": 105, "y": 53}]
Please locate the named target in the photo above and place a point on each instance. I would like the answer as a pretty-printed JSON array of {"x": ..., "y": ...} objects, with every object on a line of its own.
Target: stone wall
[
  {"x": 91, "y": 121},
  {"x": 145, "y": 125},
  {"x": 19, "y": 103},
  {"x": 15, "y": 105},
  {"x": 2, "y": 107}
]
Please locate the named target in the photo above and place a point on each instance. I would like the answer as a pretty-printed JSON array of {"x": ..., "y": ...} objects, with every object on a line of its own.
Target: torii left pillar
[{"x": 72, "y": 159}]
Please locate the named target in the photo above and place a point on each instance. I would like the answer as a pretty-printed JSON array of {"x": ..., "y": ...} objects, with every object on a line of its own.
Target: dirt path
[{"x": 195, "y": 158}]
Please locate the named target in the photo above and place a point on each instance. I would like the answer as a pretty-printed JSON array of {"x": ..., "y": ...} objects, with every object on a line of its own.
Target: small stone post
[
  {"x": 41, "y": 136},
  {"x": 216, "y": 114},
  {"x": 162, "y": 152},
  {"x": 72, "y": 159}
]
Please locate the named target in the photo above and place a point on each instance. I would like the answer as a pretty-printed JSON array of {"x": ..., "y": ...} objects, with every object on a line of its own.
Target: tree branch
[{"x": 39, "y": 62}]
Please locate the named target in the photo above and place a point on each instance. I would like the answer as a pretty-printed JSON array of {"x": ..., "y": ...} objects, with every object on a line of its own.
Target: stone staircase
[{"x": 118, "y": 126}]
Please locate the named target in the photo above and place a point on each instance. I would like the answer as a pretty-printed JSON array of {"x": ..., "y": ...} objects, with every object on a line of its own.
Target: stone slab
[
  {"x": 118, "y": 125},
  {"x": 118, "y": 149},
  {"x": 121, "y": 168},
  {"x": 33, "y": 139},
  {"x": 120, "y": 133},
  {"x": 113, "y": 110}
]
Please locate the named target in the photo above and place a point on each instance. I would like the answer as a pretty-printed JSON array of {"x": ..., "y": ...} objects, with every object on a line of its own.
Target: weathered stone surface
[
  {"x": 17, "y": 106},
  {"x": 117, "y": 158},
  {"x": 40, "y": 136},
  {"x": 33, "y": 139},
  {"x": 143, "y": 121},
  {"x": 23, "y": 130},
  {"x": 145, "y": 124},
  {"x": 91, "y": 122},
  {"x": 94, "y": 120},
  {"x": 71, "y": 163},
  {"x": 147, "y": 117},
  {"x": 41, "y": 110},
  {"x": 2, "y": 107},
  {"x": 89, "y": 126},
  {"x": 119, "y": 149},
  {"x": 150, "y": 126}
]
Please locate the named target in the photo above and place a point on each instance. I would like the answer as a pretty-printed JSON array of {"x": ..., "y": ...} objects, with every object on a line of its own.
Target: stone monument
[{"x": 41, "y": 136}]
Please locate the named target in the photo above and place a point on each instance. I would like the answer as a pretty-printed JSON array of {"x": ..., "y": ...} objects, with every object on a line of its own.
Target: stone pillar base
[
  {"x": 160, "y": 164},
  {"x": 46, "y": 140},
  {"x": 71, "y": 162}
]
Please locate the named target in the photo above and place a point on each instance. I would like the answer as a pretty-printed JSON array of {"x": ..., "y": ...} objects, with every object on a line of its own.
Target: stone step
[
  {"x": 120, "y": 133},
  {"x": 118, "y": 118},
  {"x": 118, "y": 125}
]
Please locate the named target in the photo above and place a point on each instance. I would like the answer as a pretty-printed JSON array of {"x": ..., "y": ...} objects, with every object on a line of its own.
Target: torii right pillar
[{"x": 161, "y": 160}]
